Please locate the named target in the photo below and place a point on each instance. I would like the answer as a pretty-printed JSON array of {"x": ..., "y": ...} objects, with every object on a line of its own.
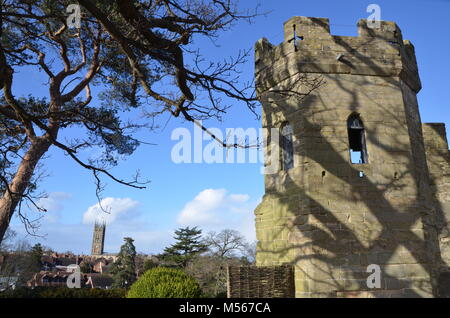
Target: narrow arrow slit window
[
  {"x": 287, "y": 147},
  {"x": 357, "y": 140}
]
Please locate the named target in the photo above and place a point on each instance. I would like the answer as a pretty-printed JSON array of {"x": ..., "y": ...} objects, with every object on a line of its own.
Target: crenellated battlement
[
  {"x": 309, "y": 28},
  {"x": 320, "y": 28},
  {"x": 375, "y": 52}
]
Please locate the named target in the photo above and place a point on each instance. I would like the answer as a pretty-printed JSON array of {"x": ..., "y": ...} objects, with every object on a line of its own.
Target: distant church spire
[{"x": 98, "y": 240}]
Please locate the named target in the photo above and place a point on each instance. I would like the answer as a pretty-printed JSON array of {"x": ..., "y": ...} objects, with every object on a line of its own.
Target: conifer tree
[
  {"x": 188, "y": 244},
  {"x": 35, "y": 261},
  {"x": 124, "y": 268}
]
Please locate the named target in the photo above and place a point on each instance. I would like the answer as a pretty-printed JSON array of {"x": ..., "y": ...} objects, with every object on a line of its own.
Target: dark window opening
[
  {"x": 287, "y": 147},
  {"x": 357, "y": 140}
]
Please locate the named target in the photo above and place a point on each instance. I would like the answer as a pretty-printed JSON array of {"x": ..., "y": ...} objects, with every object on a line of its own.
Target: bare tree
[
  {"x": 15, "y": 268},
  {"x": 249, "y": 252},
  {"x": 225, "y": 243},
  {"x": 8, "y": 240},
  {"x": 225, "y": 248}
]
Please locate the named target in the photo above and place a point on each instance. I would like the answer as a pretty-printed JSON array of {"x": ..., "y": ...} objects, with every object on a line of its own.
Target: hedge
[{"x": 63, "y": 292}]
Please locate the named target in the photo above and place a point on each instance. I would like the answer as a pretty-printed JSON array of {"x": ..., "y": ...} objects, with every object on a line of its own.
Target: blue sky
[{"x": 218, "y": 196}]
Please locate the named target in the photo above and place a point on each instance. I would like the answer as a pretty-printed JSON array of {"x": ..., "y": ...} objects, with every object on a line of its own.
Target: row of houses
[
  {"x": 56, "y": 268},
  {"x": 97, "y": 263},
  {"x": 59, "y": 279}
]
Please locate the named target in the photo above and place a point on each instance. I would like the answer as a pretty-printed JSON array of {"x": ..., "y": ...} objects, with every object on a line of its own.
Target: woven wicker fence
[{"x": 261, "y": 281}]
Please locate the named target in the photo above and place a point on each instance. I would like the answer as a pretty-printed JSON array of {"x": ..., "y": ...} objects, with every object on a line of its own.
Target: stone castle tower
[
  {"x": 98, "y": 239},
  {"x": 361, "y": 181}
]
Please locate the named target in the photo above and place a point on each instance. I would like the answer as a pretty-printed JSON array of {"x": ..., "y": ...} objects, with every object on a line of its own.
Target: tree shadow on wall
[{"x": 374, "y": 223}]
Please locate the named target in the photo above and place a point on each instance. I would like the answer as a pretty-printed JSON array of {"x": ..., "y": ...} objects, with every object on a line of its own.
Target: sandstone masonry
[{"x": 331, "y": 218}]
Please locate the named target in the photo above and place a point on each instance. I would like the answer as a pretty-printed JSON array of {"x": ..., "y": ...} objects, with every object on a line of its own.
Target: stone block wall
[
  {"x": 326, "y": 216},
  {"x": 438, "y": 159}
]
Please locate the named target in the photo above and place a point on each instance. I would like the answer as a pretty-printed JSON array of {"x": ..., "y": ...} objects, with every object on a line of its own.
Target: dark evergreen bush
[{"x": 63, "y": 292}]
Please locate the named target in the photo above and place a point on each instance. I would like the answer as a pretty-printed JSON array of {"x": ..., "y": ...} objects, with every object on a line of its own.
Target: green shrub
[{"x": 163, "y": 282}]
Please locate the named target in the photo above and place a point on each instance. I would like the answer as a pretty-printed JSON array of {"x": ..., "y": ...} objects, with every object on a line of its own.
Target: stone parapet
[{"x": 375, "y": 52}]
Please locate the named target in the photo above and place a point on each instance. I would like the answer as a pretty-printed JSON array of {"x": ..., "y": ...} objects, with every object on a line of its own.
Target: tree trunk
[{"x": 17, "y": 187}]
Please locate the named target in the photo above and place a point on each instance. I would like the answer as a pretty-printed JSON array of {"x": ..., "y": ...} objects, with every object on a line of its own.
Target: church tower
[
  {"x": 352, "y": 196},
  {"x": 98, "y": 239}
]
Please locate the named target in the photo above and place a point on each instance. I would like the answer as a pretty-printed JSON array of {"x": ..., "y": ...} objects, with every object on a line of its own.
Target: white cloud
[
  {"x": 215, "y": 209},
  {"x": 240, "y": 198},
  {"x": 111, "y": 209},
  {"x": 52, "y": 203},
  {"x": 198, "y": 211}
]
